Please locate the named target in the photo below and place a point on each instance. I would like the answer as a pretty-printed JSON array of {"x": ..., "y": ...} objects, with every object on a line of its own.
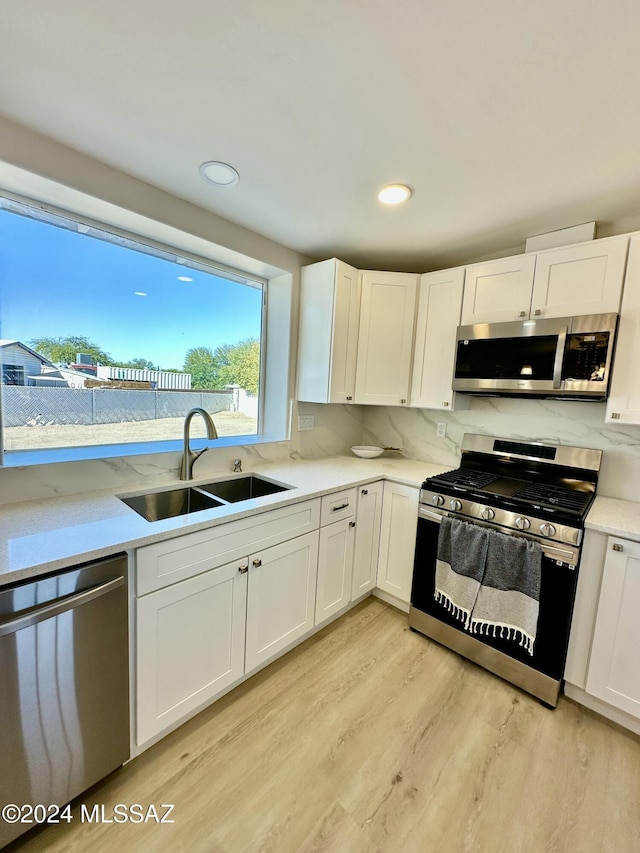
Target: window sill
[{"x": 23, "y": 458}]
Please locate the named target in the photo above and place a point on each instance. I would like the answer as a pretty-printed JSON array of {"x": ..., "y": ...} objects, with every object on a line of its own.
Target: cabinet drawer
[
  {"x": 164, "y": 563},
  {"x": 338, "y": 505}
]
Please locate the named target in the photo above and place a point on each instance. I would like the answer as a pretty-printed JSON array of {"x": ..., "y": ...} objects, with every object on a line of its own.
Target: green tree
[
  {"x": 66, "y": 349},
  {"x": 201, "y": 364},
  {"x": 239, "y": 364},
  {"x": 228, "y": 364}
]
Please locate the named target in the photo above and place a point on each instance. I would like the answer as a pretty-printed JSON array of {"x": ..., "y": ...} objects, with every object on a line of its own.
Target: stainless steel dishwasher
[{"x": 64, "y": 685}]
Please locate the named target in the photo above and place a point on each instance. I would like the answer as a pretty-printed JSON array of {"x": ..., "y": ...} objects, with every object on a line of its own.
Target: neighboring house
[{"x": 21, "y": 365}]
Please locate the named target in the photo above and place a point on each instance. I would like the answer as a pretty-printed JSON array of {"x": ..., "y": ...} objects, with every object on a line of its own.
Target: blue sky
[{"x": 55, "y": 283}]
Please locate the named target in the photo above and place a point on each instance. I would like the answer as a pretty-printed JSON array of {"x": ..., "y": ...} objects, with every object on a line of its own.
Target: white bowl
[{"x": 367, "y": 451}]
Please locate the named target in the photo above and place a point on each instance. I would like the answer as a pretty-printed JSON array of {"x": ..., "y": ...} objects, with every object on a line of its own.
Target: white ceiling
[{"x": 507, "y": 117}]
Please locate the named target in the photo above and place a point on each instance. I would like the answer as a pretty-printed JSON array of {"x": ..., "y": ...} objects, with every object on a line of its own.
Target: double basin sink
[{"x": 174, "y": 502}]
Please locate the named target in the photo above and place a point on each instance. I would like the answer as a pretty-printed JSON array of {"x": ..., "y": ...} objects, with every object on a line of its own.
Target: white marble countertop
[
  {"x": 42, "y": 536},
  {"x": 615, "y": 517}
]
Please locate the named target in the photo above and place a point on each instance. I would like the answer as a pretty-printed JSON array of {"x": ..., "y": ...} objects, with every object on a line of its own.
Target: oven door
[{"x": 557, "y": 593}]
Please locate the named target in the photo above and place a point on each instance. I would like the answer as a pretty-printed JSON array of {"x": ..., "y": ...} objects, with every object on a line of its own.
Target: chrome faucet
[
  {"x": 189, "y": 456},
  {"x": 237, "y": 465}
]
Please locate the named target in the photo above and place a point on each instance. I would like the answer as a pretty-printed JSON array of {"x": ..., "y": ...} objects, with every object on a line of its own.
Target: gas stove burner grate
[
  {"x": 544, "y": 494},
  {"x": 466, "y": 477}
]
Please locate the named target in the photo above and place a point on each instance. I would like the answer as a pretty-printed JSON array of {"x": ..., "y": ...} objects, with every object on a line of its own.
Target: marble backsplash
[
  {"x": 561, "y": 421},
  {"x": 337, "y": 427}
]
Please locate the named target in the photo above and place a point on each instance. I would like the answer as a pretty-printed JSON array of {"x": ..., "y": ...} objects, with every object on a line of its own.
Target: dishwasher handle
[{"x": 61, "y": 605}]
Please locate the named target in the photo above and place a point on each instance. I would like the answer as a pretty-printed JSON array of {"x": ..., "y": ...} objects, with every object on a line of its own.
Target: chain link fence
[{"x": 31, "y": 406}]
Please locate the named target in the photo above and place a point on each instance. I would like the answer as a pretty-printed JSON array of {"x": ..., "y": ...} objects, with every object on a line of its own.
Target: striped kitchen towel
[
  {"x": 461, "y": 558},
  {"x": 508, "y": 598}
]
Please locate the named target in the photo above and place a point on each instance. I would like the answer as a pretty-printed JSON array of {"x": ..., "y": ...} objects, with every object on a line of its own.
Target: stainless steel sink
[
  {"x": 242, "y": 488},
  {"x": 156, "y": 505},
  {"x": 173, "y": 502}
]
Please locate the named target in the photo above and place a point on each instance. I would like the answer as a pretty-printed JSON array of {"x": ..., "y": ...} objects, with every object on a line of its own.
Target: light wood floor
[{"x": 369, "y": 737}]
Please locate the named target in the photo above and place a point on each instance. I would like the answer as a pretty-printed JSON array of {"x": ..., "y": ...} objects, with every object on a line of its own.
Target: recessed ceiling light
[
  {"x": 140, "y": 293},
  {"x": 184, "y": 278},
  {"x": 218, "y": 173},
  {"x": 394, "y": 194}
]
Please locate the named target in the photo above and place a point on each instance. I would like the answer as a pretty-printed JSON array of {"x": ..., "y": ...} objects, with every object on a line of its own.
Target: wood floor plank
[{"x": 370, "y": 738}]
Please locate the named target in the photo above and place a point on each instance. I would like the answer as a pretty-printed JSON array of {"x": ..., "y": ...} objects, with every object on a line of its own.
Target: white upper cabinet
[
  {"x": 439, "y": 308},
  {"x": 582, "y": 279},
  {"x": 498, "y": 291},
  {"x": 385, "y": 338},
  {"x": 329, "y": 314},
  {"x": 623, "y": 404}
]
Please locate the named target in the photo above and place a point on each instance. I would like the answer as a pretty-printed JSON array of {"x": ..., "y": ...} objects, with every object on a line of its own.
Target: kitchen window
[{"x": 108, "y": 340}]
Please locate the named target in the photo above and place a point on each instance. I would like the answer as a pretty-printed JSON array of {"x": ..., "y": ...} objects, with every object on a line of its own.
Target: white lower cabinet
[
  {"x": 398, "y": 540},
  {"x": 335, "y": 568},
  {"x": 190, "y": 645},
  {"x": 280, "y": 598},
  {"x": 367, "y": 539},
  {"x": 614, "y": 666}
]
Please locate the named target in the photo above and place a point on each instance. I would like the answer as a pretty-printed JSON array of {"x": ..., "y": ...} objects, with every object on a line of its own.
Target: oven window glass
[
  {"x": 507, "y": 358},
  {"x": 585, "y": 357}
]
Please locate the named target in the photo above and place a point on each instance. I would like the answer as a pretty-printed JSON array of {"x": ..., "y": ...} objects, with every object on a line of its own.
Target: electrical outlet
[
  {"x": 441, "y": 429},
  {"x": 305, "y": 422}
]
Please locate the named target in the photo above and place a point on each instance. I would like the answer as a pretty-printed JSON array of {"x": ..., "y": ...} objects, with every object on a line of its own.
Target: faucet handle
[{"x": 237, "y": 465}]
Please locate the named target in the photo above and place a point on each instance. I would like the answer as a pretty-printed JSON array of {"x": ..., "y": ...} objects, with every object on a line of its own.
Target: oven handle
[{"x": 552, "y": 551}]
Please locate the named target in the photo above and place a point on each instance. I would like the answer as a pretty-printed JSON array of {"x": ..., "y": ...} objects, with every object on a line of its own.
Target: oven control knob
[
  {"x": 437, "y": 500},
  {"x": 547, "y": 529},
  {"x": 455, "y": 504},
  {"x": 522, "y": 523},
  {"x": 487, "y": 513}
]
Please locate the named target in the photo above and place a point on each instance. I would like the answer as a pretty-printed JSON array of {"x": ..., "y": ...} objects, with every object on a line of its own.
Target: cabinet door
[
  {"x": 385, "y": 339},
  {"x": 498, "y": 291},
  {"x": 623, "y": 405},
  {"x": 344, "y": 347},
  {"x": 439, "y": 308},
  {"x": 329, "y": 314},
  {"x": 335, "y": 568},
  {"x": 614, "y": 667},
  {"x": 398, "y": 539},
  {"x": 280, "y": 598},
  {"x": 582, "y": 279},
  {"x": 367, "y": 540},
  {"x": 190, "y": 645}
]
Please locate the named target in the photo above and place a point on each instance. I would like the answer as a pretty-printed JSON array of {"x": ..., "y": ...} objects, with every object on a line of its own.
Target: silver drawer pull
[
  {"x": 342, "y": 506},
  {"x": 617, "y": 547},
  {"x": 257, "y": 563},
  {"x": 243, "y": 569}
]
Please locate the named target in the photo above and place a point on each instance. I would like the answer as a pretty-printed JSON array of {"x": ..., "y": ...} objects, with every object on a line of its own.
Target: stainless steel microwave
[{"x": 563, "y": 357}]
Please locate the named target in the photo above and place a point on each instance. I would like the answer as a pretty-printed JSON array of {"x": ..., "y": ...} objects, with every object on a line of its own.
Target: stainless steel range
[{"x": 533, "y": 490}]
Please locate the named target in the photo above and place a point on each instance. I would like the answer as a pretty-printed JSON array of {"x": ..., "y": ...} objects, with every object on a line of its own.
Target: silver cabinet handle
[
  {"x": 402, "y": 402},
  {"x": 55, "y": 608},
  {"x": 617, "y": 547},
  {"x": 243, "y": 569},
  {"x": 537, "y": 312},
  {"x": 522, "y": 314},
  {"x": 257, "y": 562}
]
